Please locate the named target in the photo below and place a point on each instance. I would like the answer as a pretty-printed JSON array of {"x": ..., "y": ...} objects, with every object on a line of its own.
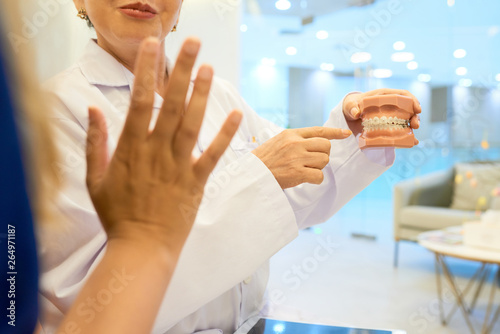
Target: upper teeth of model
[{"x": 385, "y": 123}]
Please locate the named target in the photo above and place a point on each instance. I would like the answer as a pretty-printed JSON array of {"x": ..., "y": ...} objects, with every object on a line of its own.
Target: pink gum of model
[{"x": 387, "y": 133}]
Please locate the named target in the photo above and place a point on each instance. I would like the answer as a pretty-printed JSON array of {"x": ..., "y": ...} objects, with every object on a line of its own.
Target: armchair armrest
[{"x": 434, "y": 189}]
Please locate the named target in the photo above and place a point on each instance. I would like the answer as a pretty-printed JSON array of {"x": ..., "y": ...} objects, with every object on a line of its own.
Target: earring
[
  {"x": 82, "y": 13},
  {"x": 174, "y": 28}
]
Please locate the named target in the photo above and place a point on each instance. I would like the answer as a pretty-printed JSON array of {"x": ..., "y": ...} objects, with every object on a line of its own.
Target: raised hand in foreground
[{"x": 139, "y": 192}]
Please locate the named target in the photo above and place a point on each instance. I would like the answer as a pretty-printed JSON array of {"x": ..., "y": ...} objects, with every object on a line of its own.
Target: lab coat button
[{"x": 248, "y": 280}]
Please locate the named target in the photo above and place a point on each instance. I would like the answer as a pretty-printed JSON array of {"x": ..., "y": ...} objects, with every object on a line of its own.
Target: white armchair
[{"x": 422, "y": 204}]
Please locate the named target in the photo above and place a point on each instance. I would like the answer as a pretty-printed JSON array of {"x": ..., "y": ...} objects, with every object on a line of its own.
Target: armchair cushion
[
  {"x": 433, "y": 218},
  {"x": 474, "y": 184},
  {"x": 495, "y": 200}
]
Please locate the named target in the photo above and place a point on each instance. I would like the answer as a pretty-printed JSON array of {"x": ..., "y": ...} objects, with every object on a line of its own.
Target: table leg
[
  {"x": 487, "y": 328},
  {"x": 488, "y": 310},
  {"x": 484, "y": 269},
  {"x": 479, "y": 288},
  {"x": 456, "y": 293},
  {"x": 439, "y": 288},
  {"x": 495, "y": 319}
]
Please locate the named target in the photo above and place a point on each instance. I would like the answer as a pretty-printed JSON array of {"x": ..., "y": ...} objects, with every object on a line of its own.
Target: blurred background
[{"x": 294, "y": 61}]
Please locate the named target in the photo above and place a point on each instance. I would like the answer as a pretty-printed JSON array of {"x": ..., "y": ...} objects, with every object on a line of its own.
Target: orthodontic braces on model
[{"x": 386, "y": 122}]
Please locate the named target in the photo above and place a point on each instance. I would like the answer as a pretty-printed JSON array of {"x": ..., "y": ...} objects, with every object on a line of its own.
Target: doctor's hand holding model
[{"x": 268, "y": 184}]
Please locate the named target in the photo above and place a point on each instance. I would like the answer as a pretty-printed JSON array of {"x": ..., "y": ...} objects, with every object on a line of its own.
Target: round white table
[{"x": 448, "y": 242}]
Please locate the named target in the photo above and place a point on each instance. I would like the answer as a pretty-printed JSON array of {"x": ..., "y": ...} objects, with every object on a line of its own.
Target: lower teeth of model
[{"x": 385, "y": 123}]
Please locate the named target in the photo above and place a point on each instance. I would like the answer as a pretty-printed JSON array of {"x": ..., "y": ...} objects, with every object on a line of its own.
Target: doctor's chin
[{"x": 250, "y": 167}]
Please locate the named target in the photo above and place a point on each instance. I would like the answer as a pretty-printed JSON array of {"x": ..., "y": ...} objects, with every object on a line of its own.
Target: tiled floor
[{"x": 327, "y": 276}]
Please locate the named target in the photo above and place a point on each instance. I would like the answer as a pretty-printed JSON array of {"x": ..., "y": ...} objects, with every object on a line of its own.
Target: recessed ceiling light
[
  {"x": 381, "y": 73},
  {"x": 360, "y": 57},
  {"x": 493, "y": 31},
  {"x": 461, "y": 71},
  {"x": 402, "y": 57},
  {"x": 243, "y": 28},
  {"x": 327, "y": 67},
  {"x": 459, "y": 53},
  {"x": 322, "y": 34},
  {"x": 465, "y": 82},
  {"x": 399, "y": 46},
  {"x": 283, "y": 4},
  {"x": 424, "y": 77},
  {"x": 291, "y": 51},
  {"x": 268, "y": 61},
  {"x": 497, "y": 77},
  {"x": 451, "y": 3},
  {"x": 412, "y": 65}
]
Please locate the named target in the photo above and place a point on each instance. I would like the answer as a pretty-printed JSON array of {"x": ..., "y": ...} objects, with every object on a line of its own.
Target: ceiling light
[
  {"x": 268, "y": 61},
  {"x": 493, "y": 31},
  {"x": 381, "y": 73},
  {"x": 402, "y": 57},
  {"x": 291, "y": 51},
  {"x": 459, "y": 53},
  {"x": 412, "y": 65},
  {"x": 399, "y": 46},
  {"x": 322, "y": 34},
  {"x": 451, "y": 3},
  {"x": 424, "y": 77},
  {"x": 461, "y": 71},
  {"x": 360, "y": 57},
  {"x": 243, "y": 28},
  {"x": 497, "y": 77},
  {"x": 465, "y": 82},
  {"x": 283, "y": 4},
  {"x": 327, "y": 67}
]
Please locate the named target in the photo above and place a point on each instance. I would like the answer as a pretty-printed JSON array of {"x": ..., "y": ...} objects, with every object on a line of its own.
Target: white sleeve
[
  {"x": 234, "y": 234},
  {"x": 350, "y": 170}
]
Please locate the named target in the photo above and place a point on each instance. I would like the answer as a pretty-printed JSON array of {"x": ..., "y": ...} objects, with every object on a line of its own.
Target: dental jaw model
[{"x": 386, "y": 122}]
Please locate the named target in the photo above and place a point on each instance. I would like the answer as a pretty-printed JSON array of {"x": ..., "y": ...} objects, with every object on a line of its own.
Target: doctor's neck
[{"x": 127, "y": 56}]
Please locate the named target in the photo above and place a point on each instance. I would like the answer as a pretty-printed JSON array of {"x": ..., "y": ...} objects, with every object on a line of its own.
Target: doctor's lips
[
  {"x": 386, "y": 122},
  {"x": 139, "y": 11}
]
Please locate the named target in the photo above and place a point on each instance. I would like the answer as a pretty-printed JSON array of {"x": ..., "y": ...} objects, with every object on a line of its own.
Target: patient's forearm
[{"x": 125, "y": 291}]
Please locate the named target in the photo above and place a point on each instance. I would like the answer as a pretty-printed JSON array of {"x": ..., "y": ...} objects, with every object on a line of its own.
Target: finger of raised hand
[
  {"x": 324, "y": 132},
  {"x": 176, "y": 91},
  {"x": 206, "y": 163},
  {"x": 97, "y": 152},
  {"x": 141, "y": 104},
  {"x": 189, "y": 128}
]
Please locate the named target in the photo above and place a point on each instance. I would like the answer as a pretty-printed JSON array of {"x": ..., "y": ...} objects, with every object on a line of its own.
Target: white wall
[
  {"x": 55, "y": 33},
  {"x": 217, "y": 24}
]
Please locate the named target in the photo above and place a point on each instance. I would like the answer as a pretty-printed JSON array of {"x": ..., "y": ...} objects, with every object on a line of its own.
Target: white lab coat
[{"x": 245, "y": 216}]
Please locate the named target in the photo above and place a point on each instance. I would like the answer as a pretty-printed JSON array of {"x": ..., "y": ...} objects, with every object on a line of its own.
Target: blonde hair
[{"x": 31, "y": 114}]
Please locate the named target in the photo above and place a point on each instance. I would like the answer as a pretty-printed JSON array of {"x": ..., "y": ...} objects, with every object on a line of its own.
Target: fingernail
[
  {"x": 356, "y": 113},
  {"x": 205, "y": 73},
  {"x": 192, "y": 47},
  {"x": 151, "y": 45},
  {"x": 91, "y": 115},
  {"x": 346, "y": 133},
  {"x": 236, "y": 117}
]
